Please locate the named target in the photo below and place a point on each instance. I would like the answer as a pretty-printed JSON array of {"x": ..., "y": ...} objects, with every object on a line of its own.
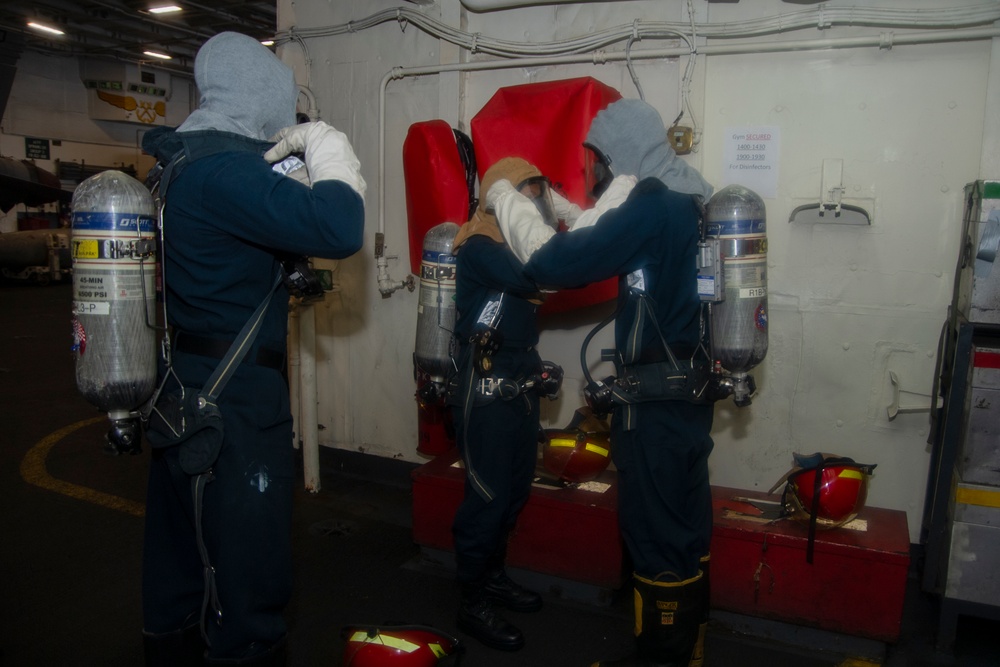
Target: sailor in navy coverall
[
  {"x": 661, "y": 447},
  {"x": 228, "y": 216},
  {"x": 497, "y": 426}
]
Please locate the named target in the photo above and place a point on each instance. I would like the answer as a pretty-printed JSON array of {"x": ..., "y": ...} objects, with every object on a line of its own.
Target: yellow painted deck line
[{"x": 33, "y": 471}]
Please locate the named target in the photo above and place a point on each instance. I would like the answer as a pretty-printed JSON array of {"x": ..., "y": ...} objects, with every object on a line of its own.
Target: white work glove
[
  {"x": 617, "y": 192},
  {"x": 499, "y": 189},
  {"x": 328, "y": 153},
  {"x": 518, "y": 218}
]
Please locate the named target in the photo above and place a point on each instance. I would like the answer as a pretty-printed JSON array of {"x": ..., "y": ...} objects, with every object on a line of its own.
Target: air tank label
[
  {"x": 91, "y": 308},
  {"x": 109, "y": 221},
  {"x": 95, "y": 287},
  {"x": 753, "y": 292},
  {"x": 115, "y": 248},
  {"x": 86, "y": 249}
]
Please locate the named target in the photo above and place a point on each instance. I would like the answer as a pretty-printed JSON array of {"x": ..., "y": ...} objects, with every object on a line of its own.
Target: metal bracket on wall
[
  {"x": 830, "y": 209},
  {"x": 895, "y": 408}
]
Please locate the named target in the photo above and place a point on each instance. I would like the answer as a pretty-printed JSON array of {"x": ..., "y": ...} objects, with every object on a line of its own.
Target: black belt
[{"x": 216, "y": 348}]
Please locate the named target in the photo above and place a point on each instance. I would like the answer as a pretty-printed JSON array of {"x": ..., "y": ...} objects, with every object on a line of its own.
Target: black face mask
[{"x": 601, "y": 171}]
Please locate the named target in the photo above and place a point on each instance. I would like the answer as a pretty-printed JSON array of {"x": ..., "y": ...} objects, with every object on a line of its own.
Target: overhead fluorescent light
[
  {"x": 164, "y": 9},
  {"x": 267, "y": 42},
  {"x": 157, "y": 54},
  {"x": 45, "y": 28}
]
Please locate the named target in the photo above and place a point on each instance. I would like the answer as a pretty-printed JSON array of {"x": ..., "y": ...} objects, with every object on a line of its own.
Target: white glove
[
  {"x": 566, "y": 210},
  {"x": 519, "y": 220},
  {"x": 500, "y": 187},
  {"x": 328, "y": 153},
  {"x": 613, "y": 197}
]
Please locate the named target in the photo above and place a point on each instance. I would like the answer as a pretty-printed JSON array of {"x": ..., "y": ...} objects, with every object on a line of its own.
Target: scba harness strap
[{"x": 638, "y": 381}]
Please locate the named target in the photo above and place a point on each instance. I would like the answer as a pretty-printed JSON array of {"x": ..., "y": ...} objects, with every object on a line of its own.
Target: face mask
[{"x": 537, "y": 189}]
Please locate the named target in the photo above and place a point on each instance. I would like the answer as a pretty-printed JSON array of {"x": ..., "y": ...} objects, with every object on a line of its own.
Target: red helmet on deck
[
  {"x": 581, "y": 451},
  {"x": 396, "y": 646},
  {"x": 831, "y": 489}
]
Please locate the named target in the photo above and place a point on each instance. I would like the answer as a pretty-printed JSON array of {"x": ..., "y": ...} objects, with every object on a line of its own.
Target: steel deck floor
[{"x": 71, "y": 527}]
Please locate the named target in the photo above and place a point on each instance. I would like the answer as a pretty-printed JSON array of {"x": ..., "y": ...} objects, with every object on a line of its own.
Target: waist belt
[
  {"x": 216, "y": 348},
  {"x": 661, "y": 382},
  {"x": 502, "y": 388}
]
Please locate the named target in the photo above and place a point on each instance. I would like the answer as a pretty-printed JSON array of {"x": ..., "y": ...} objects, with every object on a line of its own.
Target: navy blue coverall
[
  {"x": 500, "y": 442},
  {"x": 665, "y": 505}
]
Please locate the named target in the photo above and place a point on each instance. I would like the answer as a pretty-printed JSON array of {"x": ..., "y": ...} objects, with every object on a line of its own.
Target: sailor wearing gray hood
[
  {"x": 229, "y": 219},
  {"x": 660, "y": 444}
]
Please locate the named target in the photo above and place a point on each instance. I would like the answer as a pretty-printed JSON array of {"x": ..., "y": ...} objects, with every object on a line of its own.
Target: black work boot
[
  {"x": 668, "y": 615},
  {"x": 508, "y": 593},
  {"x": 478, "y": 617},
  {"x": 182, "y": 648}
]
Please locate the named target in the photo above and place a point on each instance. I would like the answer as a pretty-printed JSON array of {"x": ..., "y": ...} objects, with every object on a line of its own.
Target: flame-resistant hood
[
  {"x": 632, "y": 135},
  {"x": 245, "y": 89}
]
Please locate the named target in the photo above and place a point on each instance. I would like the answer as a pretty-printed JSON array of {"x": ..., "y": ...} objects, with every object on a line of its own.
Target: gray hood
[
  {"x": 245, "y": 89},
  {"x": 632, "y": 135}
]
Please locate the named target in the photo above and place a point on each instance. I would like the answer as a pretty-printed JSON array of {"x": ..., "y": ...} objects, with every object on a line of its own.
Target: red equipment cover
[
  {"x": 434, "y": 175},
  {"x": 546, "y": 123}
]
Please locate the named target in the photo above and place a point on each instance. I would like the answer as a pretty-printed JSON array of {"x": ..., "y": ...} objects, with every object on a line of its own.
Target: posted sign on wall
[
  {"x": 37, "y": 149},
  {"x": 750, "y": 158}
]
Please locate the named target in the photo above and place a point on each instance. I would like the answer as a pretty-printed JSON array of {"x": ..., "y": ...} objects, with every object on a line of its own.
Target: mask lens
[
  {"x": 537, "y": 190},
  {"x": 598, "y": 171}
]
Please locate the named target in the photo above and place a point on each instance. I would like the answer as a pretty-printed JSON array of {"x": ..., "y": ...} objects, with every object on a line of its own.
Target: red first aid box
[
  {"x": 855, "y": 584},
  {"x": 569, "y": 532}
]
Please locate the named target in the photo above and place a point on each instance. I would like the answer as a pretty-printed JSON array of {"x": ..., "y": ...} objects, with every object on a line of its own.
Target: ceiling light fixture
[
  {"x": 164, "y": 9},
  {"x": 267, "y": 42},
  {"x": 156, "y": 54},
  {"x": 45, "y": 28}
]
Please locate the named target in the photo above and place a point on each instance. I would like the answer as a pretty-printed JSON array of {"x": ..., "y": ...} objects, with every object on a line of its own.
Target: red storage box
[
  {"x": 855, "y": 584},
  {"x": 565, "y": 532}
]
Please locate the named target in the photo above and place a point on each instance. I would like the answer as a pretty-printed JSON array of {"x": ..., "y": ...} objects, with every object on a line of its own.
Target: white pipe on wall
[{"x": 308, "y": 410}]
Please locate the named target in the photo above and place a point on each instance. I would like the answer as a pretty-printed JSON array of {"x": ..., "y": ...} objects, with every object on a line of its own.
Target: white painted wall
[{"x": 912, "y": 124}]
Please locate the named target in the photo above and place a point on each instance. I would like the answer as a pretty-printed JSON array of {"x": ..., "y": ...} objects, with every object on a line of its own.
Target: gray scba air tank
[
  {"x": 436, "y": 314},
  {"x": 436, "y": 310},
  {"x": 114, "y": 300},
  {"x": 735, "y": 220}
]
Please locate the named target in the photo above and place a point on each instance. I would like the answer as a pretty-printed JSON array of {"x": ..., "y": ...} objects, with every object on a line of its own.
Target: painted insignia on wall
[{"x": 145, "y": 111}]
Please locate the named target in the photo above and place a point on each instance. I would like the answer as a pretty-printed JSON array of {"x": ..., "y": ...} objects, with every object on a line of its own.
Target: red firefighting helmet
[
  {"x": 833, "y": 489},
  {"x": 396, "y": 646},
  {"x": 579, "y": 452}
]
